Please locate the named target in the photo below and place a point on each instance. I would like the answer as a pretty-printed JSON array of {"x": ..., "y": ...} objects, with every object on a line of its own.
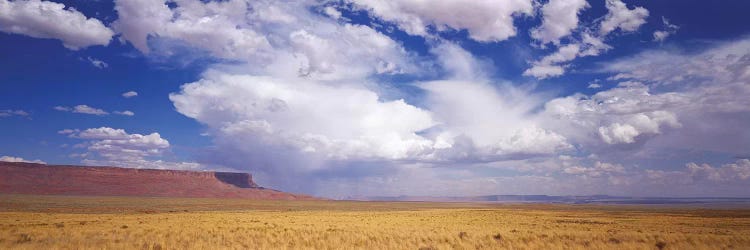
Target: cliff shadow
[{"x": 240, "y": 180}]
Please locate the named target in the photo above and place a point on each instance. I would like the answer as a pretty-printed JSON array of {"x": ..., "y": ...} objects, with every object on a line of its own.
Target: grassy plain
[{"x": 58, "y": 222}]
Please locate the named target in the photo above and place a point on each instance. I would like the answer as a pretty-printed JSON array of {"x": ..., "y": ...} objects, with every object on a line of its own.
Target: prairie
[{"x": 60, "y": 222}]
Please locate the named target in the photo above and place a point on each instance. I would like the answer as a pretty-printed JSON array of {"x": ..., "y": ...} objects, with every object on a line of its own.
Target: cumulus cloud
[
  {"x": 587, "y": 42},
  {"x": 560, "y": 17},
  {"x": 304, "y": 97},
  {"x": 336, "y": 122},
  {"x": 332, "y": 12},
  {"x": 702, "y": 179},
  {"x": 299, "y": 127},
  {"x": 621, "y": 17},
  {"x": 619, "y": 115},
  {"x": 665, "y": 103},
  {"x": 486, "y": 21},
  {"x": 321, "y": 119},
  {"x": 19, "y": 159},
  {"x": 279, "y": 38},
  {"x": 555, "y": 64},
  {"x": 314, "y": 108},
  {"x": 209, "y": 26},
  {"x": 274, "y": 124},
  {"x": 739, "y": 170},
  {"x": 45, "y": 19},
  {"x": 130, "y": 94},
  {"x": 708, "y": 93},
  {"x": 638, "y": 124},
  {"x": 547, "y": 66},
  {"x": 82, "y": 109},
  {"x": 116, "y": 147},
  {"x": 10, "y": 112}
]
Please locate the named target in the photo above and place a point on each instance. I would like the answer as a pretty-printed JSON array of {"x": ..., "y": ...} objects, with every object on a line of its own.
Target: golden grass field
[{"x": 48, "y": 222}]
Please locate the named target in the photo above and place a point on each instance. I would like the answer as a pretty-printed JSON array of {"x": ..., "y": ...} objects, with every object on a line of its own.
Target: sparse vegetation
[{"x": 162, "y": 223}]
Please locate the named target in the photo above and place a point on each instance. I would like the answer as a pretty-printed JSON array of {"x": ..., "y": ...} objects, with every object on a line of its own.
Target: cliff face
[{"x": 31, "y": 178}]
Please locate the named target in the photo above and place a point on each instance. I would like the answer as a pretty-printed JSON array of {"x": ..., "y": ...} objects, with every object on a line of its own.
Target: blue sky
[{"x": 358, "y": 97}]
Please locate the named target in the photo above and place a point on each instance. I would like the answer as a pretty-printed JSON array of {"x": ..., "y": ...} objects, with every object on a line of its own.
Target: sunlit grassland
[{"x": 42, "y": 222}]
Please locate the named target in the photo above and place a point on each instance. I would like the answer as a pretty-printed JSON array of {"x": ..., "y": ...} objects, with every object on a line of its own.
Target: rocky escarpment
[{"x": 31, "y": 178}]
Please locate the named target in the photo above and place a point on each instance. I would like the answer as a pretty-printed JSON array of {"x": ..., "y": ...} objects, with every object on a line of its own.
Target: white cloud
[
  {"x": 82, "y": 109},
  {"x": 365, "y": 52},
  {"x": 554, "y": 64},
  {"x": 560, "y": 17},
  {"x": 637, "y": 124},
  {"x": 307, "y": 102},
  {"x": 19, "y": 159},
  {"x": 130, "y": 94},
  {"x": 459, "y": 63},
  {"x": 737, "y": 173},
  {"x": 669, "y": 29},
  {"x": 599, "y": 169},
  {"x": 332, "y": 12},
  {"x": 306, "y": 120},
  {"x": 116, "y": 147},
  {"x": 125, "y": 113},
  {"x": 45, "y": 19},
  {"x": 486, "y": 21},
  {"x": 594, "y": 85},
  {"x": 587, "y": 43},
  {"x": 85, "y": 109},
  {"x": 566, "y": 53},
  {"x": 323, "y": 125},
  {"x": 723, "y": 63},
  {"x": 619, "y": 16},
  {"x": 739, "y": 170},
  {"x": 592, "y": 45},
  {"x": 547, "y": 66},
  {"x": 709, "y": 92},
  {"x": 277, "y": 38},
  {"x": 314, "y": 107},
  {"x": 660, "y": 35},
  {"x": 478, "y": 123},
  {"x": 335, "y": 122},
  {"x": 10, "y": 112},
  {"x": 119, "y": 145},
  {"x": 97, "y": 63},
  {"x": 618, "y": 133},
  {"x": 206, "y": 25},
  {"x": 618, "y": 115},
  {"x": 542, "y": 71}
]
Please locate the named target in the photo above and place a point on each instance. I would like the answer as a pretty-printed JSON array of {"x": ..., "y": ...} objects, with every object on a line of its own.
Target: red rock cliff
[{"x": 31, "y": 178}]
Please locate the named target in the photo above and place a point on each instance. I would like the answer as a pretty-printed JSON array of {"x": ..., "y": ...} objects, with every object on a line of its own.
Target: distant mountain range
[{"x": 586, "y": 199}]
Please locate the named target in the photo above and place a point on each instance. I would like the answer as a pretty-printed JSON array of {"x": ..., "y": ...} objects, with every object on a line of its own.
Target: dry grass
[{"x": 36, "y": 222}]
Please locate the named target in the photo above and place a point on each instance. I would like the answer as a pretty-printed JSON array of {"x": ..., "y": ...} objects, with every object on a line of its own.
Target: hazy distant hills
[{"x": 589, "y": 199}]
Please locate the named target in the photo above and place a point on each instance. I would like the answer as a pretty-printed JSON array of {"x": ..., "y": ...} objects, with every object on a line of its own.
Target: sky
[{"x": 357, "y": 98}]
